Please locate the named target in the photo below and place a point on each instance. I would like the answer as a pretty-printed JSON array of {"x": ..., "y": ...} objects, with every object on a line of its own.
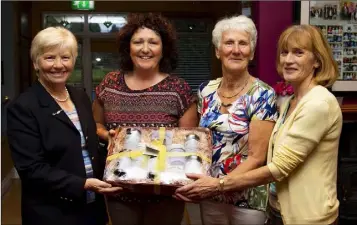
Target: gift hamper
[{"x": 156, "y": 160}]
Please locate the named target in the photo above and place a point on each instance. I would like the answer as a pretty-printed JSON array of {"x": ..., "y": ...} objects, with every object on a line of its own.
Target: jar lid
[
  {"x": 194, "y": 157},
  {"x": 130, "y": 130},
  {"x": 192, "y": 136}
]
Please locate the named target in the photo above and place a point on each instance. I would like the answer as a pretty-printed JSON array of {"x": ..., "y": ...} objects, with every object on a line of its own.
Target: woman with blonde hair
[
  {"x": 53, "y": 141},
  {"x": 302, "y": 156}
]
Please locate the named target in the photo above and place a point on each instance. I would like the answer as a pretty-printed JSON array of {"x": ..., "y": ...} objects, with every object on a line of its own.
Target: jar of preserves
[
  {"x": 193, "y": 165},
  {"x": 191, "y": 143}
]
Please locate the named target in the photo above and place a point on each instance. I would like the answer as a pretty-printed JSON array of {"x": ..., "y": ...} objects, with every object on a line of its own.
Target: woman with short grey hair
[
  {"x": 242, "y": 23},
  {"x": 53, "y": 140},
  {"x": 241, "y": 112}
]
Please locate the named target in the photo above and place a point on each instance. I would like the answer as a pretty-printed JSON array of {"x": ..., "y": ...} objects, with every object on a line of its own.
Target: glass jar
[
  {"x": 191, "y": 143},
  {"x": 176, "y": 164},
  {"x": 193, "y": 165},
  {"x": 132, "y": 139}
]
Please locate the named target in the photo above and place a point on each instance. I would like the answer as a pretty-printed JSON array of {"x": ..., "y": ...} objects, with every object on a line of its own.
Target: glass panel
[
  {"x": 103, "y": 63},
  {"x": 76, "y": 77},
  {"x": 247, "y": 8},
  {"x": 337, "y": 21},
  {"x": 103, "y": 23},
  {"x": 190, "y": 25},
  {"x": 194, "y": 52},
  {"x": 74, "y": 22}
]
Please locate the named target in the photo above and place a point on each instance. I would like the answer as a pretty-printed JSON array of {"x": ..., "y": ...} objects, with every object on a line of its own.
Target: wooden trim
[
  {"x": 345, "y": 85},
  {"x": 349, "y": 108}
]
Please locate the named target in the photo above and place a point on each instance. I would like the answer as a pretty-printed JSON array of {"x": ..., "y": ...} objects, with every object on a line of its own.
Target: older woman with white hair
[
  {"x": 241, "y": 112},
  {"x": 53, "y": 141}
]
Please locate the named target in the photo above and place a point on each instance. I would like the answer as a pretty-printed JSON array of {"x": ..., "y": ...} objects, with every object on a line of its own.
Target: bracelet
[{"x": 221, "y": 184}]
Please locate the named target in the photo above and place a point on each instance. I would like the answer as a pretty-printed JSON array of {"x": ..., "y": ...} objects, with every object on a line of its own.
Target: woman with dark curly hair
[{"x": 143, "y": 93}]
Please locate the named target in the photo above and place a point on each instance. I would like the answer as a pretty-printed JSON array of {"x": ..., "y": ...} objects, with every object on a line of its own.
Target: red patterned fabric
[{"x": 161, "y": 105}]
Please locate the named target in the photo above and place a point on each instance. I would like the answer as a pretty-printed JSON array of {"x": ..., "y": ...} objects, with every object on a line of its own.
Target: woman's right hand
[
  {"x": 101, "y": 187},
  {"x": 111, "y": 133},
  {"x": 105, "y": 134}
]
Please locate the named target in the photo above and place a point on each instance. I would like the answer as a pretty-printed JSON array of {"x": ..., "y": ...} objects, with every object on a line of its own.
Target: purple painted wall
[{"x": 271, "y": 19}]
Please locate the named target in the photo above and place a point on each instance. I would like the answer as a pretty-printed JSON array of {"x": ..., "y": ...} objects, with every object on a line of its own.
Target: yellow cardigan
[{"x": 304, "y": 159}]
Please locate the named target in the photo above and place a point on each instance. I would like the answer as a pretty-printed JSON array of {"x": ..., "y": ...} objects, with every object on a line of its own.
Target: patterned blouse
[
  {"x": 161, "y": 105},
  {"x": 230, "y": 133}
]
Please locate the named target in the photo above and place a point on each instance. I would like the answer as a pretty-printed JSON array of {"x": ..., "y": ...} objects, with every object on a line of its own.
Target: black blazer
[{"x": 46, "y": 149}]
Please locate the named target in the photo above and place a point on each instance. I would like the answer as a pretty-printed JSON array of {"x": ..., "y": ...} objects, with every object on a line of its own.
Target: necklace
[
  {"x": 61, "y": 100},
  {"x": 226, "y": 105},
  {"x": 53, "y": 96},
  {"x": 229, "y": 97}
]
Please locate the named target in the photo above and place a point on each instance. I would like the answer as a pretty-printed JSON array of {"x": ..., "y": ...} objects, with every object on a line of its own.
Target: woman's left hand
[{"x": 202, "y": 188}]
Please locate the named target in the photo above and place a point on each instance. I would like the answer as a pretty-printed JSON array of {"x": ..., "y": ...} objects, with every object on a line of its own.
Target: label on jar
[{"x": 176, "y": 163}]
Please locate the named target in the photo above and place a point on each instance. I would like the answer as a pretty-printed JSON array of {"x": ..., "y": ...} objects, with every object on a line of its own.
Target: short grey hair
[
  {"x": 241, "y": 23},
  {"x": 53, "y": 37}
]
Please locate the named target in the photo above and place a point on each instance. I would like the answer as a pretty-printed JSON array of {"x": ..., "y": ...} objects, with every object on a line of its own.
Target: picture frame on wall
[{"x": 337, "y": 23}]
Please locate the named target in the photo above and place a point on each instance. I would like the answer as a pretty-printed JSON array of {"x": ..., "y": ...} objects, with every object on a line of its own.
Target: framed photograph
[{"x": 337, "y": 20}]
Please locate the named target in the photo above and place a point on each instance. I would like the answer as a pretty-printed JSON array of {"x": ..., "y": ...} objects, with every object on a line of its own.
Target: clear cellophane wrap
[{"x": 150, "y": 173}]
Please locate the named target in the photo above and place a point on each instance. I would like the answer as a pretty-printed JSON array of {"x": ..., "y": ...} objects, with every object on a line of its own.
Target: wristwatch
[{"x": 221, "y": 185}]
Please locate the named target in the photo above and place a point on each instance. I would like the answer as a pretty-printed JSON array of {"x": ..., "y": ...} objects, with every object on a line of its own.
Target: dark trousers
[{"x": 274, "y": 217}]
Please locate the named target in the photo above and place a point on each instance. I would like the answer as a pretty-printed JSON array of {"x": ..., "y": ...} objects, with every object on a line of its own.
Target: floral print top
[{"x": 230, "y": 133}]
